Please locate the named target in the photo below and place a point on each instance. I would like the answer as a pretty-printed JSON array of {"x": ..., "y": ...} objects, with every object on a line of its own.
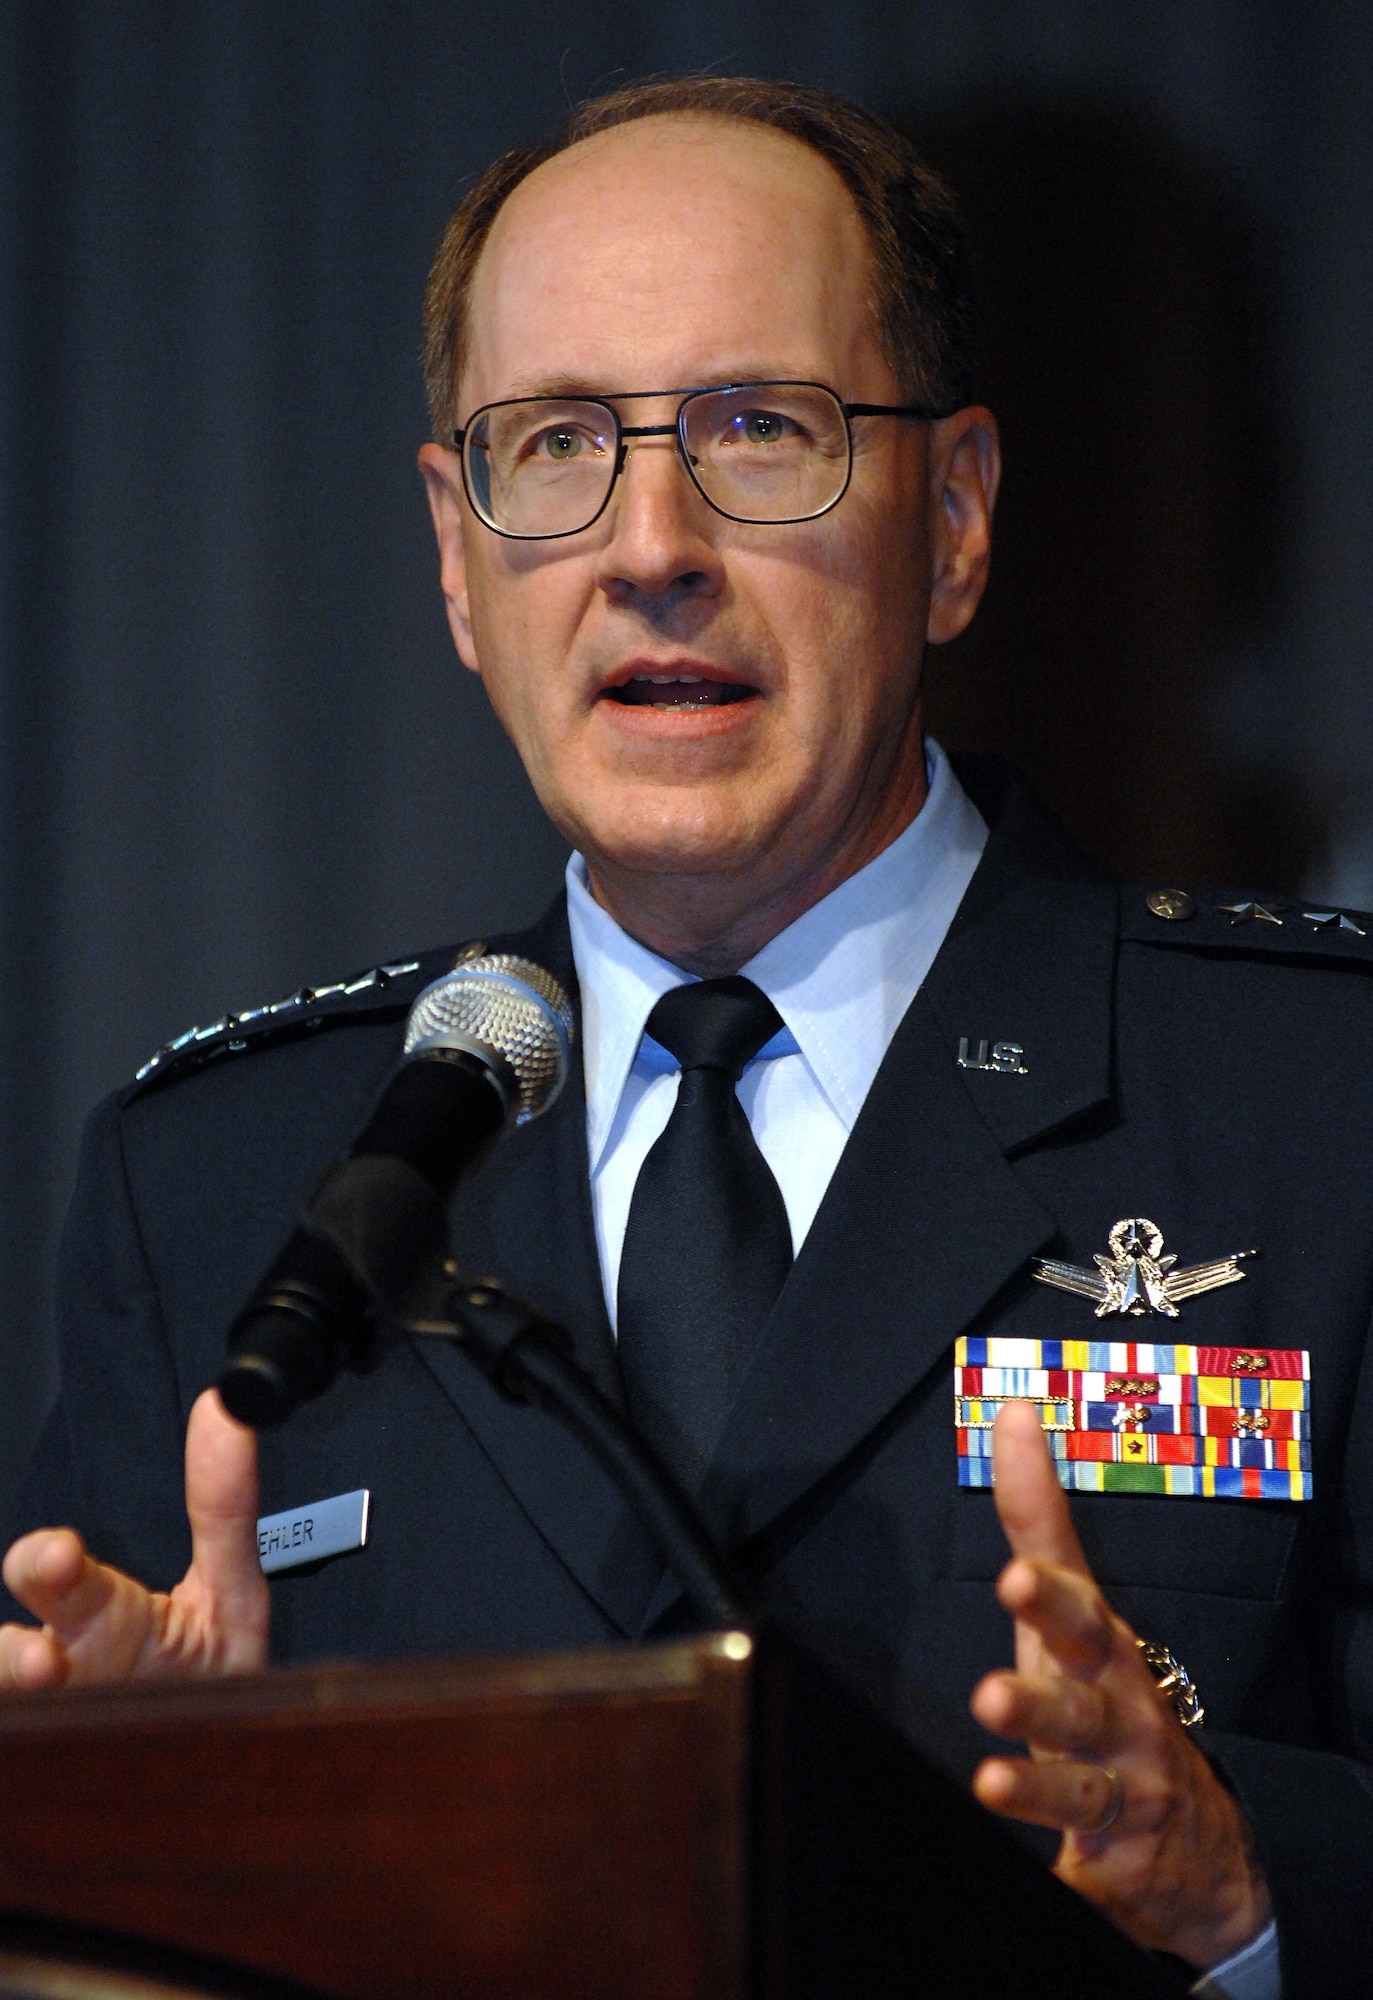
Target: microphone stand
[{"x": 528, "y": 1359}]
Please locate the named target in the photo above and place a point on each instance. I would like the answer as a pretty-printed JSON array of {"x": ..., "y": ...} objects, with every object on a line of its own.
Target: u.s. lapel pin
[
  {"x": 1136, "y": 1278},
  {"x": 1000, "y": 1058}
]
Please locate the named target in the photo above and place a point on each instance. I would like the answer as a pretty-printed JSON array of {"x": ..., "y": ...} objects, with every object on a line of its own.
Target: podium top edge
[{"x": 405, "y": 1686}]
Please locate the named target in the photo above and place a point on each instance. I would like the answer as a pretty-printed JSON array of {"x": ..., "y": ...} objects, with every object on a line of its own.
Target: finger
[
  {"x": 97, "y": 1619},
  {"x": 225, "y": 1581},
  {"x": 54, "y": 1577},
  {"x": 31, "y": 1659},
  {"x": 221, "y": 1481},
  {"x": 1056, "y": 1715},
  {"x": 42, "y": 1567},
  {"x": 1065, "y": 1609},
  {"x": 1073, "y": 1796},
  {"x": 1031, "y": 1505}
]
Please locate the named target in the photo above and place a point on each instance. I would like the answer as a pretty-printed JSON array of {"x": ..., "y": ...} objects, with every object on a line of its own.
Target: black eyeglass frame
[{"x": 916, "y": 412}]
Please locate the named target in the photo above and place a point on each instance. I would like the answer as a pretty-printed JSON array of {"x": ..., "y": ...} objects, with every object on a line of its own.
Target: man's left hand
[{"x": 1150, "y": 1834}]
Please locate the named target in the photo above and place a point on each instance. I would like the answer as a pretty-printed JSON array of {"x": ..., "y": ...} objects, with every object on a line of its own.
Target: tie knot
[{"x": 715, "y": 1024}]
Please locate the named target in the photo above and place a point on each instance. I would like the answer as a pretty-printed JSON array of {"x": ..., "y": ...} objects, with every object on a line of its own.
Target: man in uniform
[{"x": 707, "y": 478}]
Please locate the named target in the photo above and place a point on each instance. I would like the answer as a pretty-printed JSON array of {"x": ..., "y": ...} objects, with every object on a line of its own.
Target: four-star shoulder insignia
[
  {"x": 386, "y": 987},
  {"x": 1135, "y": 1278}
]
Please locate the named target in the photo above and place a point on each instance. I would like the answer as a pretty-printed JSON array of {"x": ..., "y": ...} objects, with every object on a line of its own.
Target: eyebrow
[{"x": 565, "y": 387}]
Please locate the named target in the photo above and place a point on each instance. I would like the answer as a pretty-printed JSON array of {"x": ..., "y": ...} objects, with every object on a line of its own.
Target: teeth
[{"x": 676, "y": 691}]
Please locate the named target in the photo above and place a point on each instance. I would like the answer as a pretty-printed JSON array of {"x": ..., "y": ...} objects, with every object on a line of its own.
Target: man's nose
[{"x": 662, "y": 539}]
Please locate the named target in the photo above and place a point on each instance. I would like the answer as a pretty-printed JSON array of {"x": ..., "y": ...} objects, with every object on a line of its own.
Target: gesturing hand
[
  {"x": 1150, "y": 1835},
  {"x": 100, "y": 1625}
]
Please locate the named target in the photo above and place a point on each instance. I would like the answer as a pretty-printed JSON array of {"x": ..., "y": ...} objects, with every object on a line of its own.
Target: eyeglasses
[{"x": 538, "y": 467}]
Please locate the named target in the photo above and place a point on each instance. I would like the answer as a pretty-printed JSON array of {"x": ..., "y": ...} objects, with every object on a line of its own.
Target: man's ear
[
  {"x": 442, "y": 476},
  {"x": 965, "y": 471}
]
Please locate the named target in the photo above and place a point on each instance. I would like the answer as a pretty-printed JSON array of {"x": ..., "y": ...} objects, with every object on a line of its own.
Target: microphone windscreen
[{"x": 506, "y": 1011}]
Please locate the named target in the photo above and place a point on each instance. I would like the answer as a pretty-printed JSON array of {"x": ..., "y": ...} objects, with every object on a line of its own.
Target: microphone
[{"x": 487, "y": 1046}]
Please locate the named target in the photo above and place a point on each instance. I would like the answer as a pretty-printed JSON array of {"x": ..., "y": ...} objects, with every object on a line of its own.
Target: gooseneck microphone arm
[{"x": 527, "y": 1359}]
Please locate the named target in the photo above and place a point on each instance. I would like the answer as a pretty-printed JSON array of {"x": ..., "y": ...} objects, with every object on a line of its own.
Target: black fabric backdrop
[{"x": 238, "y": 755}]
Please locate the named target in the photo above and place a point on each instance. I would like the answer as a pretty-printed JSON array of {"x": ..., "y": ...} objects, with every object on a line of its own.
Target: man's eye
[
  {"x": 759, "y": 427},
  {"x": 560, "y": 445}
]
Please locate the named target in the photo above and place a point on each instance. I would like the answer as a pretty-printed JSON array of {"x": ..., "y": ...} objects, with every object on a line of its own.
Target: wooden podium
[{"x": 703, "y": 1820}]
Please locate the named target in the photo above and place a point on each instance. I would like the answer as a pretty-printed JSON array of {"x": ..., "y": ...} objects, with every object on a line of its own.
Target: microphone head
[{"x": 509, "y": 1013}]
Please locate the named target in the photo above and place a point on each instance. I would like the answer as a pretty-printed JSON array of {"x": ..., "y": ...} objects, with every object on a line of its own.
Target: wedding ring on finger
[{"x": 1113, "y": 1805}]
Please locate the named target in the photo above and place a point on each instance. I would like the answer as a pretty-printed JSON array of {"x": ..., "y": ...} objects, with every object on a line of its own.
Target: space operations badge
[{"x": 1125, "y": 1416}]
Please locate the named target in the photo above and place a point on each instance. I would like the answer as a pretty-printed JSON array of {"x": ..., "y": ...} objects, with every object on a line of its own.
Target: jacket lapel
[
  {"x": 926, "y": 1220},
  {"x": 922, "y": 1225},
  {"x": 526, "y": 1219},
  {"x": 1029, "y": 960}
]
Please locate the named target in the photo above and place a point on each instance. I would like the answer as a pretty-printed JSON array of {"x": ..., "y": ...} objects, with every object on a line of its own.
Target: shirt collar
[{"x": 841, "y": 976}]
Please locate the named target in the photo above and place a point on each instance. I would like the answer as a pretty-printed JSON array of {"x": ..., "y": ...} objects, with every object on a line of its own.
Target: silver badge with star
[{"x": 1136, "y": 1278}]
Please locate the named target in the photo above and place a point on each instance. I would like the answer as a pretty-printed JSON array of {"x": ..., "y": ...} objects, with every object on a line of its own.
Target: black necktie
[{"x": 708, "y": 1244}]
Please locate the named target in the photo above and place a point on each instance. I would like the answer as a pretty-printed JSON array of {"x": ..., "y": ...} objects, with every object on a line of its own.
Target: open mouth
[{"x": 678, "y": 691}]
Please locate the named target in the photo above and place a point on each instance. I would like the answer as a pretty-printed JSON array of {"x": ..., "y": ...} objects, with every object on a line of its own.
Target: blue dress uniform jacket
[{"x": 1208, "y": 1073}]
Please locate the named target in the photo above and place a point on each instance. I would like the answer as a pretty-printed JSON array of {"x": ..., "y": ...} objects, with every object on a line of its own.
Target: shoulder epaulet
[
  {"x": 379, "y": 993},
  {"x": 1215, "y": 920}
]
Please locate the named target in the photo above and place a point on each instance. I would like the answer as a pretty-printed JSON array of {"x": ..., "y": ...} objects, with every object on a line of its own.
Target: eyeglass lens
[{"x": 769, "y": 452}]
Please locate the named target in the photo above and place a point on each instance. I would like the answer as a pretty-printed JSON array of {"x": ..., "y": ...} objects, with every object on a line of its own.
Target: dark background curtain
[{"x": 238, "y": 755}]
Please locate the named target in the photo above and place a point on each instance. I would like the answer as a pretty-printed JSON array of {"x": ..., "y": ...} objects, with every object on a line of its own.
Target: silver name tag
[{"x": 305, "y": 1534}]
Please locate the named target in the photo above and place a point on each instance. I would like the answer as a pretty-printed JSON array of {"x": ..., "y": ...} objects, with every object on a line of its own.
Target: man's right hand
[{"x": 99, "y": 1625}]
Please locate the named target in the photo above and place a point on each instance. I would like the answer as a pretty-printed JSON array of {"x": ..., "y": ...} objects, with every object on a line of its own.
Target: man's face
[{"x": 669, "y": 254}]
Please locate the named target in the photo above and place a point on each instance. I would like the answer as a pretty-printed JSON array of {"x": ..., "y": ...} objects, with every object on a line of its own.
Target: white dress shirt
[{"x": 841, "y": 977}]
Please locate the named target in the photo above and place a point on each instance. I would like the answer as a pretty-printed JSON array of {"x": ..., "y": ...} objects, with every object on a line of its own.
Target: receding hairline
[
  {"x": 702, "y": 120},
  {"x": 689, "y": 122}
]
